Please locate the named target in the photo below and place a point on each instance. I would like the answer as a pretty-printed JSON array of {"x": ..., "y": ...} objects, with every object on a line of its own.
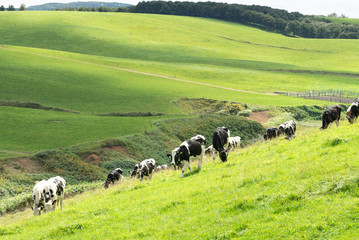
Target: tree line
[
  {"x": 12, "y": 8},
  {"x": 290, "y": 24},
  {"x": 95, "y": 9}
]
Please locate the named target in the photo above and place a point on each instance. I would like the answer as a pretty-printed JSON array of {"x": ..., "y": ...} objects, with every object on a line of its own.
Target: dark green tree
[
  {"x": 11, "y": 8},
  {"x": 22, "y": 7}
]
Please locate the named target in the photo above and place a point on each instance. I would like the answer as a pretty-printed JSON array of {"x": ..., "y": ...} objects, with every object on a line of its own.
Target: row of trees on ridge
[{"x": 290, "y": 24}]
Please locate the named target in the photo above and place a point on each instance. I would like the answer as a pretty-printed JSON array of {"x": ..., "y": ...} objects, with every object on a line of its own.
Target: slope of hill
[
  {"x": 304, "y": 188},
  {"x": 54, "y": 6},
  {"x": 100, "y": 63},
  {"x": 201, "y": 50}
]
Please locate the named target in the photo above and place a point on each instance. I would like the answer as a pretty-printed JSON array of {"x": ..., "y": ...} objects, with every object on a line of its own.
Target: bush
[{"x": 245, "y": 113}]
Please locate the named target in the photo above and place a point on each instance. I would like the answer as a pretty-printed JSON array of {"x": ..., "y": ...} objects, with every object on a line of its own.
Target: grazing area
[
  {"x": 90, "y": 96},
  {"x": 304, "y": 188}
]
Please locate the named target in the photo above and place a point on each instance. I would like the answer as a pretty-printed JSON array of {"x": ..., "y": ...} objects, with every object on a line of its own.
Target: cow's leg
[
  {"x": 337, "y": 122},
  {"x": 201, "y": 158},
  {"x": 61, "y": 200},
  {"x": 214, "y": 154},
  {"x": 184, "y": 167}
]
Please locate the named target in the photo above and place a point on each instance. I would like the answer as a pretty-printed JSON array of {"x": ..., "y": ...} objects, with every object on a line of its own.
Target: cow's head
[
  {"x": 265, "y": 136},
  {"x": 280, "y": 130},
  {"x": 36, "y": 210},
  {"x": 350, "y": 119},
  {"x": 143, "y": 171},
  {"x": 174, "y": 156},
  {"x": 49, "y": 206},
  {"x": 223, "y": 155}
]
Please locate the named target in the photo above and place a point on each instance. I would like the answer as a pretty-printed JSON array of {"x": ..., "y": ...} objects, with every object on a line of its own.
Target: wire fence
[{"x": 328, "y": 95}]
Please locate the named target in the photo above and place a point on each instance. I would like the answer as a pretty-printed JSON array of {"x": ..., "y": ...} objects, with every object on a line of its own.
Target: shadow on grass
[{"x": 197, "y": 170}]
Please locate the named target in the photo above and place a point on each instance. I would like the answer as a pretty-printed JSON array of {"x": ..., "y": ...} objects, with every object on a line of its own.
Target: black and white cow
[
  {"x": 220, "y": 143},
  {"x": 146, "y": 168},
  {"x": 38, "y": 195},
  {"x": 133, "y": 172},
  {"x": 57, "y": 190},
  {"x": 271, "y": 132},
  {"x": 234, "y": 142},
  {"x": 190, "y": 148},
  {"x": 330, "y": 115},
  {"x": 114, "y": 176},
  {"x": 353, "y": 112},
  {"x": 208, "y": 150},
  {"x": 288, "y": 128},
  {"x": 161, "y": 168}
]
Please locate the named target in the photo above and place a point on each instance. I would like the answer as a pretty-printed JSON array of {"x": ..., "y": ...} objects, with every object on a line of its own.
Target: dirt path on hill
[{"x": 133, "y": 71}]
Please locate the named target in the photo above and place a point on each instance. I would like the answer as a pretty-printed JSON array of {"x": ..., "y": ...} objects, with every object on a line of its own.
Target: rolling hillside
[
  {"x": 98, "y": 67},
  {"x": 101, "y": 63},
  {"x": 304, "y": 188}
]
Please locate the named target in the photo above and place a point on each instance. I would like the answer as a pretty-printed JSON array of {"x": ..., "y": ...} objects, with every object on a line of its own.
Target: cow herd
[
  {"x": 49, "y": 193},
  {"x": 329, "y": 116}
]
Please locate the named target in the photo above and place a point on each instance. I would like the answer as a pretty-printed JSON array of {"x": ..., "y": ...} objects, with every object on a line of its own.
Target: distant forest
[{"x": 290, "y": 24}]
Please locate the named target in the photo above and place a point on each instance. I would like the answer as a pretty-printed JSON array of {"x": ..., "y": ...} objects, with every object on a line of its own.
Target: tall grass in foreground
[{"x": 304, "y": 188}]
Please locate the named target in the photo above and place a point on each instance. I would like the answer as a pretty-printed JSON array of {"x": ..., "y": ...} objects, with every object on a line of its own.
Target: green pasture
[
  {"x": 301, "y": 189},
  {"x": 201, "y": 50},
  {"x": 344, "y": 20},
  {"x": 96, "y": 88},
  {"x": 30, "y": 130}
]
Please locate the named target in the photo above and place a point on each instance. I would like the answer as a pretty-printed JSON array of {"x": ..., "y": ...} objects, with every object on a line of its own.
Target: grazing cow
[
  {"x": 190, "y": 148},
  {"x": 353, "y": 112},
  {"x": 287, "y": 128},
  {"x": 220, "y": 143},
  {"x": 234, "y": 142},
  {"x": 330, "y": 115},
  {"x": 57, "y": 192},
  {"x": 208, "y": 150},
  {"x": 161, "y": 168},
  {"x": 38, "y": 195},
  {"x": 271, "y": 132},
  {"x": 114, "y": 176},
  {"x": 145, "y": 169},
  {"x": 133, "y": 172}
]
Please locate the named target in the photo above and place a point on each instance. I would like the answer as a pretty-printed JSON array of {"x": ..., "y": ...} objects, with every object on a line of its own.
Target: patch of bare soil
[
  {"x": 119, "y": 149},
  {"x": 93, "y": 159},
  {"x": 23, "y": 164},
  {"x": 261, "y": 117}
]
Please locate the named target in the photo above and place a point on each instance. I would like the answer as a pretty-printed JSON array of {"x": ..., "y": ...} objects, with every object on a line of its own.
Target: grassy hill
[
  {"x": 200, "y": 50},
  {"x": 93, "y": 64},
  {"x": 304, "y": 188},
  {"x": 100, "y": 63}
]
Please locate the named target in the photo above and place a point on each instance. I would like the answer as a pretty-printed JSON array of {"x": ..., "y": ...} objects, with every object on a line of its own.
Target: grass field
[
  {"x": 98, "y": 63},
  {"x": 29, "y": 130},
  {"x": 200, "y": 50},
  {"x": 305, "y": 188},
  {"x": 120, "y": 62}
]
